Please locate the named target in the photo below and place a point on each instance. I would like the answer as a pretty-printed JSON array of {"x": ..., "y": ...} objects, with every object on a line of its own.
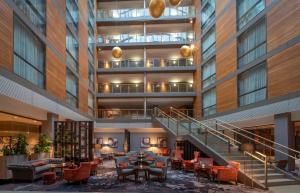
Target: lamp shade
[
  {"x": 117, "y": 52},
  {"x": 175, "y": 2},
  {"x": 185, "y": 51},
  {"x": 157, "y": 8}
]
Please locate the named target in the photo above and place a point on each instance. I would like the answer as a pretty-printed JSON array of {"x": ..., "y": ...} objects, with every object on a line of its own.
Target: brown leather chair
[{"x": 82, "y": 173}]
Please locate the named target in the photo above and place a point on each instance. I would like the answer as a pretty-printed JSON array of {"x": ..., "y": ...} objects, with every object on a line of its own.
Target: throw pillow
[
  {"x": 159, "y": 164},
  {"x": 123, "y": 165}
]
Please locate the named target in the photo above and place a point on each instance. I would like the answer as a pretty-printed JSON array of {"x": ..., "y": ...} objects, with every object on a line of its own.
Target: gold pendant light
[
  {"x": 175, "y": 2},
  {"x": 185, "y": 51},
  {"x": 117, "y": 52},
  {"x": 157, "y": 8}
]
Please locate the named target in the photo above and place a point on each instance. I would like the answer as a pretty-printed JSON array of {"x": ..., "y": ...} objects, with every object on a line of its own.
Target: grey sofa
[{"x": 29, "y": 171}]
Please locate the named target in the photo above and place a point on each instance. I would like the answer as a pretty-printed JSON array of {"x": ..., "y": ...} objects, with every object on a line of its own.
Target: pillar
[
  {"x": 284, "y": 134},
  {"x": 48, "y": 125}
]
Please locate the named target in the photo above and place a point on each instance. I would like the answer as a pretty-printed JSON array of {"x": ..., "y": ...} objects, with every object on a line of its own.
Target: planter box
[{"x": 8, "y": 160}]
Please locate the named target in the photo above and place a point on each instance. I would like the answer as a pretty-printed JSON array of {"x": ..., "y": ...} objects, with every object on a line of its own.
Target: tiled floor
[{"x": 106, "y": 181}]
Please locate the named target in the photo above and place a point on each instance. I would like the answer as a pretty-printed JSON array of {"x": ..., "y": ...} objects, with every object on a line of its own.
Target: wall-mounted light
[
  {"x": 117, "y": 85},
  {"x": 191, "y": 85},
  {"x": 174, "y": 84}
]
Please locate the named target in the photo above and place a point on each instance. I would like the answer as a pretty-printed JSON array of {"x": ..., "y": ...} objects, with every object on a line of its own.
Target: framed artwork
[
  {"x": 99, "y": 141},
  {"x": 112, "y": 142},
  {"x": 6, "y": 140},
  {"x": 162, "y": 142},
  {"x": 145, "y": 142}
]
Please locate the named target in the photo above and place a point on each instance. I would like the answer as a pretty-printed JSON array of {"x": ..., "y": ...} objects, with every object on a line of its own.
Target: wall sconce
[
  {"x": 174, "y": 84},
  {"x": 117, "y": 85}
]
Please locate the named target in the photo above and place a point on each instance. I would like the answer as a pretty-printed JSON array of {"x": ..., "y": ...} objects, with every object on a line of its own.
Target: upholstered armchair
[
  {"x": 203, "y": 162},
  {"x": 188, "y": 165},
  {"x": 227, "y": 173},
  {"x": 159, "y": 168},
  {"x": 176, "y": 160},
  {"x": 79, "y": 174},
  {"x": 124, "y": 168},
  {"x": 165, "y": 152}
]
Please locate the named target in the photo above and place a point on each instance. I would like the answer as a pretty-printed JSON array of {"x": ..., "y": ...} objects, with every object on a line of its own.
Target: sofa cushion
[
  {"x": 159, "y": 164},
  {"x": 156, "y": 170},
  {"x": 38, "y": 163},
  {"x": 42, "y": 168},
  {"x": 123, "y": 165}
]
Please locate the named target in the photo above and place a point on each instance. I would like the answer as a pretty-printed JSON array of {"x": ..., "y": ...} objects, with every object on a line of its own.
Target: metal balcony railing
[
  {"x": 149, "y": 38},
  {"x": 135, "y": 114},
  {"x": 121, "y": 88},
  {"x": 159, "y": 62},
  {"x": 173, "y": 87},
  {"x": 182, "y": 11},
  {"x": 121, "y": 64}
]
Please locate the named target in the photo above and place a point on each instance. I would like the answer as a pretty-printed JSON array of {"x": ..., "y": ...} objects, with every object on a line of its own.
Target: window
[
  {"x": 91, "y": 103},
  {"x": 252, "y": 85},
  {"x": 72, "y": 89},
  {"x": 29, "y": 55},
  {"x": 91, "y": 46},
  {"x": 208, "y": 44},
  {"x": 209, "y": 73},
  {"x": 207, "y": 14},
  {"x": 247, "y": 10},
  {"x": 72, "y": 51},
  {"x": 91, "y": 76},
  {"x": 35, "y": 10},
  {"x": 72, "y": 14},
  {"x": 209, "y": 102},
  {"x": 252, "y": 44}
]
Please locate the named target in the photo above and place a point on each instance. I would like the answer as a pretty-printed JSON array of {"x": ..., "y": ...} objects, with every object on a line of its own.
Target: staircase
[{"x": 218, "y": 140}]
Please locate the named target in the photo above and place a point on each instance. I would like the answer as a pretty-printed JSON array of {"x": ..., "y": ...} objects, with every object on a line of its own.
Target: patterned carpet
[{"x": 106, "y": 181}]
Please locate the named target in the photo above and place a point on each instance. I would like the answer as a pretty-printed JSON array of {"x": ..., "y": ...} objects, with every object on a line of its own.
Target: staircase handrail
[{"x": 263, "y": 138}]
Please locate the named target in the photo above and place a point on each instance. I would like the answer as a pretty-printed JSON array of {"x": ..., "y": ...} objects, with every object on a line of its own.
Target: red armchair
[
  {"x": 176, "y": 160},
  {"x": 227, "y": 173},
  {"x": 165, "y": 152},
  {"x": 188, "y": 165},
  {"x": 78, "y": 174}
]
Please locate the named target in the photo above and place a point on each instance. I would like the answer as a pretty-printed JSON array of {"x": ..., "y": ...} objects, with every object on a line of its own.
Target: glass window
[
  {"x": 91, "y": 45},
  {"x": 208, "y": 43},
  {"x": 247, "y": 10},
  {"x": 35, "y": 10},
  {"x": 252, "y": 44},
  {"x": 72, "y": 51},
  {"x": 207, "y": 13},
  {"x": 252, "y": 85},
  {"x": 209, "y": 73},
  {"x": 72, "y": 13},
  {"x": 91, "y": 103},
  {"x": 29, "y": 55},
  {"x": 209, "y": 102},
  {"x": 91, "y": 75},
  {"x": 72, "y": 89}
]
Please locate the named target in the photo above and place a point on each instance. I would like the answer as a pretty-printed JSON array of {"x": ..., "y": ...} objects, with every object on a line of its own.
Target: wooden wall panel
[
  {"x": 226, "y": 26},
  {"x": 226, "y": 60},
  {"x": 220, "y": 5},
  {"x": 83, "y": 56},
  {"x": 55, "y": 75},
  {"x": 283, "y": 23},
  {"x": 284, "y": 72},
  {"x": 6, "y": 36},
  {"x": 227, "y": 95}
]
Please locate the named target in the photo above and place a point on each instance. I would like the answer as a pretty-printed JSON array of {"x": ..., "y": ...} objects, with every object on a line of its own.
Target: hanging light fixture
[
  {"x": 175, "y": 2},
  {"x": 185, "y": 51},
  {"x": 117, "y": 52},
  {"x": 157, "y": 8}
]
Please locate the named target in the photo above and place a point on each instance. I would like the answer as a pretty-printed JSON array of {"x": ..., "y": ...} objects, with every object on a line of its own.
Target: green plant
[
  {"x": 44, "y": 144},
  {"x": 20, "y": 147},
  {"x": 7, "y": 150}
]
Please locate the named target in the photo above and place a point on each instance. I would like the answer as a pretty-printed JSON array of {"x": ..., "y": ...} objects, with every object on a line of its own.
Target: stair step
[
  {"x": 270, "y": 176},
  {"x": 279, "y": 182}
]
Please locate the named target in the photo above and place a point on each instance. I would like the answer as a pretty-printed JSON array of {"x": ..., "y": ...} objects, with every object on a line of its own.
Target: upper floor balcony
[
  {"x": 125, "y": 15},
  {"x": 148, "y": 65},
  {"x": 150, "y": 39}
]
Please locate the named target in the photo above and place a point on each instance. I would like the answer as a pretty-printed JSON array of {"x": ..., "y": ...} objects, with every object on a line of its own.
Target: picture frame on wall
[
  {"x": 145, "y": 142},
  {"x": 162, "y": 142},
  {"x": 112, "y": 142}
]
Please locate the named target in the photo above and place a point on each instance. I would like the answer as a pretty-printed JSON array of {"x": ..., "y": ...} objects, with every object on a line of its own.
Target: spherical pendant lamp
[
  {"x": 157, "y": 8},
  {"x": 175, "y": 2},
  {"x": 117, "y": 52},
  {"x": 185, "y": 51}
]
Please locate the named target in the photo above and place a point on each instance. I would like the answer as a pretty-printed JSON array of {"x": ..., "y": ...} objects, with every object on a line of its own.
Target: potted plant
[
  {"x": 42, "y": 149},
  {"x": 20, "y": 147}
]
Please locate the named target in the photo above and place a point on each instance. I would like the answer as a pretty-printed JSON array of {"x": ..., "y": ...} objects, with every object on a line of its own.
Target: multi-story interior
[{"x": 243, "y": 75}]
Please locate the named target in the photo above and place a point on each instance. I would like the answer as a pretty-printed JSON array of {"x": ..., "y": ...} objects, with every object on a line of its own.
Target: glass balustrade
[
  {"x": 151, "y": 63},
  {"x": 125, "y": 113},
  {"x": 173, "y": 87},
  {"x": 182, "y": 11},
  {"x": 186, "y": 37},
  {"x": 121, "y": 88}
]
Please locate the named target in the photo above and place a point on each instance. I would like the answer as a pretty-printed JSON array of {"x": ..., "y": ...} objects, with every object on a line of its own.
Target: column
[
  {"x": 284, "y": 134},
  {"x": 48, "y": 125},
  {"x": 145, "y": 107}
]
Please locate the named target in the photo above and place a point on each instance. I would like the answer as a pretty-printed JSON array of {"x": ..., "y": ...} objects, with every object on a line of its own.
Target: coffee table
[
  {"x": 203, "y": 170},
  {"x": 141, "y": 168},
  {"x": 60, "y": 166}
]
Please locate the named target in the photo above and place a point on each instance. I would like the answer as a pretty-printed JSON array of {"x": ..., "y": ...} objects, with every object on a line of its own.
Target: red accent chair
[
  {"x": 189, "y": 165},
  {"x": 165, "y": 152},
  {"x": 176, "y": 160},
  {"x": 79, "y": 174},
  {"x": 227, "y": 173}
]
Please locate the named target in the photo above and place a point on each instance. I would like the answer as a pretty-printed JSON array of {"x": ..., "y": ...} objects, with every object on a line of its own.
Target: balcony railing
[
  {"x": 182, "y": 11},
  {"x": 149, "y": 38},
  {"x": 151, "y": 63},
  {"x": 173, "y": 87},
  {"x": 121, "y": 88},
  {"x": 125, "y": 114}
]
